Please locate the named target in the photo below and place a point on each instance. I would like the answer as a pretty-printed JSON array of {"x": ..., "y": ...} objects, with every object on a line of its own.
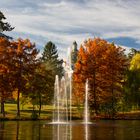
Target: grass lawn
[
  {"x": 47, "y": 112},
  {"x": 26, "y": 111}
]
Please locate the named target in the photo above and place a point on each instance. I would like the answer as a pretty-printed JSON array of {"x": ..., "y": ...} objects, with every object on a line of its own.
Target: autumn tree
[
  {"x": 114, "y": 75},
  {"x": 24, "y": 62},
  {"x": 103, "y": 64},
  {"x": 5, "y": 81},
  {"x": 88, "y": 67}
]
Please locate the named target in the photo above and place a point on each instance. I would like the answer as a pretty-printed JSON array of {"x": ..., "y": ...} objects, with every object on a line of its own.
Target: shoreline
[{"x": 48, "y": 119}]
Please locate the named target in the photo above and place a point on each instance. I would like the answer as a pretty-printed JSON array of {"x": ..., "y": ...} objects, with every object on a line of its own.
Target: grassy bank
[
  {"x": 25, "y": 112},
  {"x": 46, "y": 113}
]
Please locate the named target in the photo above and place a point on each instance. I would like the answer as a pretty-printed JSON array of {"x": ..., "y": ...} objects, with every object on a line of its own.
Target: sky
[{"x": 66, "y": 21}]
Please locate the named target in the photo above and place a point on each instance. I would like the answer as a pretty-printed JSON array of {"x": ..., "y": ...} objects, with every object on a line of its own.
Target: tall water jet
[
  {"x": 56, "y": 102},
  {"x": 64, "y": 99},
  {"x": 63, "y": 94},
  {"x": 60, "y": 113},
  {"x": 69, "y": 71},
  {"x": 86, "y": 106}
]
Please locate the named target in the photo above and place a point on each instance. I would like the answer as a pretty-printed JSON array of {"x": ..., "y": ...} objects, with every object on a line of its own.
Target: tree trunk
[
  {"x": 40, "y": 105},
  {"x": 2, "y": 108},
  {"x": 33, "y": 108},
  {"x": 18, "y": 104},
  {"x": 94, "y": 94},
  {"x": 19, "y": 88},
  {"x": 113, "y": 107},
  {"x": 112, "y": 92}
]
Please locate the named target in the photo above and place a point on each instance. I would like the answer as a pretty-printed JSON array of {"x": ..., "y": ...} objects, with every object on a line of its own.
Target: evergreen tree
[
  {"x": 74, "y": 54},
  {"x": 4, "y": 26},
  {"x": 51, "y": 60}
]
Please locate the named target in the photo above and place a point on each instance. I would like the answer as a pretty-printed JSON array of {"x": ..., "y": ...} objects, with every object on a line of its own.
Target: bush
[{"x": 34, "y": 115}]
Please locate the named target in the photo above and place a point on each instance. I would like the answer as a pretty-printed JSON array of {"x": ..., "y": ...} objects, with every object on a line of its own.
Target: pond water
[{"x": 42, "y": 130}]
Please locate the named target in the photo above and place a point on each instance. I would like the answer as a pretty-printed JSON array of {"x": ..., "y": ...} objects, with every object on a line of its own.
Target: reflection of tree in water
[
  {"x": 27, "y": 130},
  {"x": 62, "y": 132},
  {"x": 1, "y": 131},
  {"x": 17, "y": 131}
]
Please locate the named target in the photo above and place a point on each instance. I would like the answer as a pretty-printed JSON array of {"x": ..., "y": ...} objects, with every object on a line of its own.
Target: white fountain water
[
  {"x": 64, "y": 99},
  {"x": 56, "y": 104},
  {"x": 69, "y": 71},
  {"x": 63, "y": 95},
  {"x": 86, "y": 107},
  {"x": 60, "y": 113}
]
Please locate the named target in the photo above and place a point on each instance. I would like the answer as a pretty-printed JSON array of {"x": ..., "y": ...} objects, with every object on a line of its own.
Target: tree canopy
[{"x": 104, "y": 65}]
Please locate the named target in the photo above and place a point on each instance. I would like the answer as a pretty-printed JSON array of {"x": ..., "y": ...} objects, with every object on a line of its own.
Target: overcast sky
[{"x": 63, "y": 21}]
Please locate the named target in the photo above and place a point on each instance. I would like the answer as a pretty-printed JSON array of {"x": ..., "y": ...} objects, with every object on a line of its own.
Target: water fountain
[
  {"x": 86, "y": 111},
  {"x": 61, "y": 108},
  {"x": 63, "y": 96},
  {"x": 86, "y": 106},
  {"x": 62, "y": 114}
]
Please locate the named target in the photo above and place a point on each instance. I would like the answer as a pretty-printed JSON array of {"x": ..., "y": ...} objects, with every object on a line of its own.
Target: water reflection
[
  {"x": 17, "y": 132},
  {"x": 40, "y": 130},
  {"x": 1, "y": 130},
  {"x": 86, "y": 132},
  {"x": 62, "y": 132}
]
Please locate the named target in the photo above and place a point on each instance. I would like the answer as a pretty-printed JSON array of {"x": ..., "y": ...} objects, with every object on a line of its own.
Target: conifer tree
[
  {"x": 4, "y": 26},
  {"x": 51, "y": 60}
]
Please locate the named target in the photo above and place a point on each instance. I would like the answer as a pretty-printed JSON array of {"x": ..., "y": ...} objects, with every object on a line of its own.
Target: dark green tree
[
  {"x": 4, "y": 26},
  {"x": 132, "y": 53},
  {"x": 39, "y": 88},
  {"x": 74, "y": 54},
  {"x": 51, "y": 60}
]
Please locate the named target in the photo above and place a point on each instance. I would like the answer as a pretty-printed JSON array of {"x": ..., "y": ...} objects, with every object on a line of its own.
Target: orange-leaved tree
[
  {"x": 5, "y": 81},
  {"x": 24, "y": 62},
  {"x": 116, "y": 65},
  {"x": 96, "y": 60}
]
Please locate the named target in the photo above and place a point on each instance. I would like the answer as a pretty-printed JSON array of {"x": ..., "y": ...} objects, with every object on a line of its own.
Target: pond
[{"x": 98, "y": 130}]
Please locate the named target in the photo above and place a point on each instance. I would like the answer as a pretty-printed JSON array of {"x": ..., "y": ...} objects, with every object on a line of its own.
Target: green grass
[
  {"x": 26, "y": 111},
  {"x": 47, "y": 111}
]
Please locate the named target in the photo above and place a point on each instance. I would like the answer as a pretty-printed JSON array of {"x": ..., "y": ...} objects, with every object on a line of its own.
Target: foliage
[
  {"x": 50, "y": 59},
  {"x": 40, "y": 86},
  {"x": 5, "y": 81},
  {"x": 104, "y": 65},
  {"x": 135, "y": 62},
  {"x": 132, "y": 87},
  {"x": 18, "y": 61}
]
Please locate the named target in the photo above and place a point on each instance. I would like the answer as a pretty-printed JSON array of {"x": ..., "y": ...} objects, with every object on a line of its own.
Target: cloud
[{"x": 63, "y": 21}]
